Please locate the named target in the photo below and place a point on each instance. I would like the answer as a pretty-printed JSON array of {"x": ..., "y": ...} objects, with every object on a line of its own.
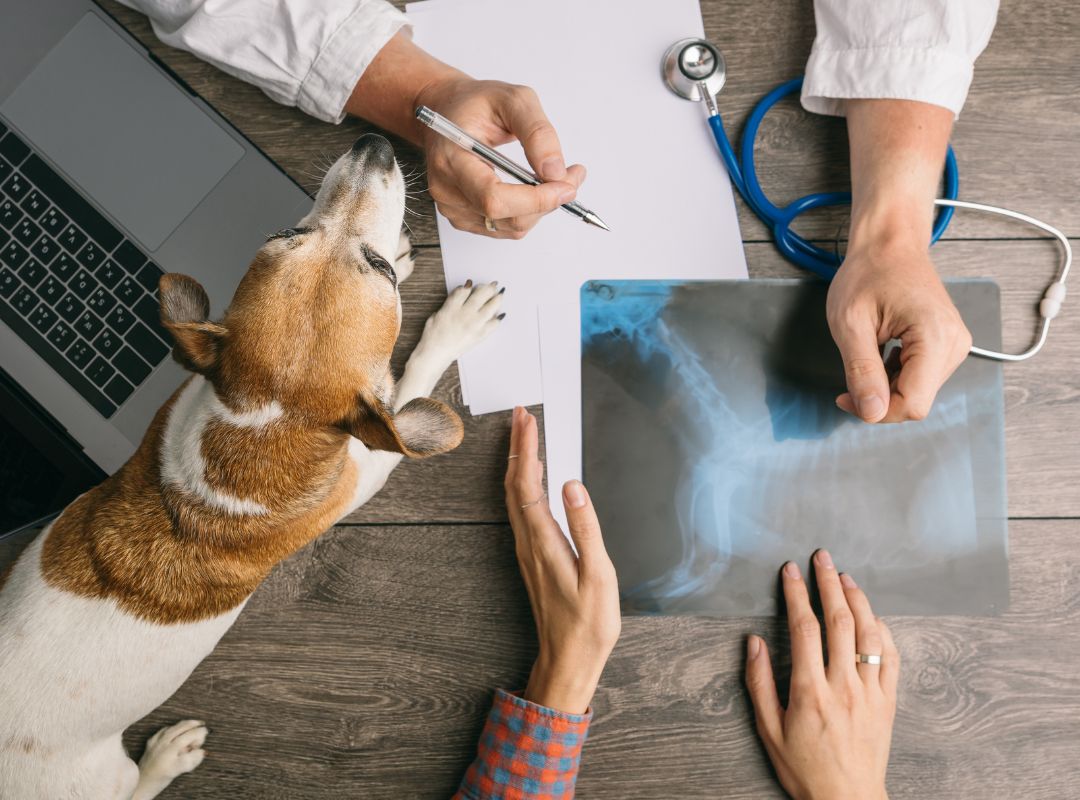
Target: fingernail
[
  {"x": 553, "y": 169},
  {"x": 567, "y": 197},
  {"x": 847, "y": 581},
  {"x": 753, "y": 647},
  {"x": 824, "y": 560},
  {"x": 791, "y": 569},
  {"x": 575, "y": 494},
  {"x": 870, "y": 406}
]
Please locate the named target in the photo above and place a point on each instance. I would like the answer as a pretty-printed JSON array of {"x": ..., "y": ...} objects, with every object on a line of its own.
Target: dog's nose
[{"x": 375, "y": 149}]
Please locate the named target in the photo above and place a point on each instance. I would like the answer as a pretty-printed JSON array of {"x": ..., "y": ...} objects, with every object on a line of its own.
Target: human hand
[
  {"x": 832, "y": 740},
  {"x": 887, "y": 293},
  {"x": 575, "y": 600},
  {"x": 465, "y": 188}
]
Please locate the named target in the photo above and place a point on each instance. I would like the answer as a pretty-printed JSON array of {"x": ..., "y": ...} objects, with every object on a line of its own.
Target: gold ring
[
  {"x": 535, "y": 502},
  {"x": 489, "y": 223},
  {"x": 512, "y": 455},
  {"x": 861, "y": 658}
]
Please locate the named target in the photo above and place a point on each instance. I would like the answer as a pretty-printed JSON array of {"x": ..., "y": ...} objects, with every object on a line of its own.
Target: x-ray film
[{"x": 714, "y": 452}]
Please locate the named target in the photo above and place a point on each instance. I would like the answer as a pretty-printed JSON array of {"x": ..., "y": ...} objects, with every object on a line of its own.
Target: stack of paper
[{"x": 653, "y": 176}]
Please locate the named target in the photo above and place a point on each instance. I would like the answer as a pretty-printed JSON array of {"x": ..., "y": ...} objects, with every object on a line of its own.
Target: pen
[{"x": 444, "y": 127}]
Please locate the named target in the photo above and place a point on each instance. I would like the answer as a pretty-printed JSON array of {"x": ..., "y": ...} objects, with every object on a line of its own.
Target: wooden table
[{"x": 364, "y": 666}]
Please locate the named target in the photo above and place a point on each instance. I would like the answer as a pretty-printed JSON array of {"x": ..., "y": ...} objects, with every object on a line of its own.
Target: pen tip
[{"x": 592, "y": 219}]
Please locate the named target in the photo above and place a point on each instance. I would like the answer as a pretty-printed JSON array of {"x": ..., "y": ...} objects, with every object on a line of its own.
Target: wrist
[
  {"x": 896, "y": 224},
  {"x": 565, "y": 688}
]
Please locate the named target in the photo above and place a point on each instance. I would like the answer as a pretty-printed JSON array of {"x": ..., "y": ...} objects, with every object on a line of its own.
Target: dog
[{"x": 290, "y": 421}]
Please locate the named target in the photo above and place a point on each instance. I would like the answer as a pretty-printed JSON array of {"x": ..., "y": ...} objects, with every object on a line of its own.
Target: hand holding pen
[{"x": 476, "y": 200}]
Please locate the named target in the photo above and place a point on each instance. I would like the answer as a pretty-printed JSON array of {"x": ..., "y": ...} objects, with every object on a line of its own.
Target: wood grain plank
[
  {"x": 1024, "y": 89},
  {"x": 364, "y": 666},
  {"x": 1042, "y": 413}
]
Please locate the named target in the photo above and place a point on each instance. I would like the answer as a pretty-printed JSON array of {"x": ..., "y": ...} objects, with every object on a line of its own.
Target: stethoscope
[{"x": 695, "y": 70}]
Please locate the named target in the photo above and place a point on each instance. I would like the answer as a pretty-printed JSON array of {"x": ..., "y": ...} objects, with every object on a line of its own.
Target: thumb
[
  {"x": 584, "y": 527},
  {"x": 527, "y": 121},
  {"x": 864, "y": 370}
]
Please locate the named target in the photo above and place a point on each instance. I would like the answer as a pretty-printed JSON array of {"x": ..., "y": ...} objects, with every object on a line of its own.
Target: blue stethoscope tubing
[
  {"x": 793, "y": 246},
  {"x": 825, "y": 264}
]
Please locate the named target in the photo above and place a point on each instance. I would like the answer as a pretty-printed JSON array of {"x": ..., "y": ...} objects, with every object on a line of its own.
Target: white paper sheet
[{"x": 653, "y": 175}]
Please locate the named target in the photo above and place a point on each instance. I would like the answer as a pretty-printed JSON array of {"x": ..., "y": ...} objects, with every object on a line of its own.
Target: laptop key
[
  {"x": 100, "y": 372},
  {"x": 14, "y": 149},
  {"x": 10, "y": 214},
  {"x": 54, "y": 359},
  {"x": 24, "y": 300},
  {"x": 27, "y": 231},
  {"x": 34, "y": 204},
  {"x": 16, "y": 187},
  {"x": 88, "y": 325},
  {"x": 107, "y": 343},
  {"x": 128, "y": 291},
  {"x": 72, "y": 238},
  {"x": 101, "y": 302},
  {"x": 5, "y": 169},
  {"x": 109, "y": 273},
  {"x": 83, "y": 283},
  {"x": 149, "y": 276},
  {"x": 45, "y": 250},
  {"x": 61, "y": 336},
  {"x": 148, "y": 309},
  {"x": 43, "y": 318},
  {"x": 129, "y": 256},
  {"x": 71, "y": 309},
  {"x": 80, "y": 353},
  {"x": 120, "y": 319},
  {"x": 118, "y": 390},
  {"x": 32, "y": 271},
  {"x": 71, "y": 203},
  {"x": 146, "y": 344},
  {"x": 54, "y": 221},
  {"x": 64, "y": 267},
  {"x": 9, "y": 282},
  {"x": 131, "y": 366},
  {"x": 91, "y": 255},
  {"x": 50, "y": 291},
  {"x": 14, "y": 254}
]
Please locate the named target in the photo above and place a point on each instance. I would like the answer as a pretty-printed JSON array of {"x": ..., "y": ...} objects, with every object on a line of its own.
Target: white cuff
[
  {"x": 894, "y": 73},
  {"x": 329, "y": 83}
]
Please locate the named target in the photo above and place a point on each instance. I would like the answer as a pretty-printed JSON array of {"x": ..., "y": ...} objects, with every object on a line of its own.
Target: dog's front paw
[
  {"x": 170, "y": 752},
  {"x": 469, "y": 314},
  {"x": 403, "y": 263}
]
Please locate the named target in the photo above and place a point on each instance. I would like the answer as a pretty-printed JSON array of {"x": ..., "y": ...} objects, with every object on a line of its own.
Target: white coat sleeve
[
  {"x": 304, "y": 53},
  {"x": 896, "y": 49}
]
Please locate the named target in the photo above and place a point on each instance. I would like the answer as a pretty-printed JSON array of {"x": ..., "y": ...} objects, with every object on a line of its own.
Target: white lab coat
[{"x": 311, "y": 53}]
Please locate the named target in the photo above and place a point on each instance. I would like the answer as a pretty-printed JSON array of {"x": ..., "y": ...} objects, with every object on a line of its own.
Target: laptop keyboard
[{"x": 80, "y": 294}]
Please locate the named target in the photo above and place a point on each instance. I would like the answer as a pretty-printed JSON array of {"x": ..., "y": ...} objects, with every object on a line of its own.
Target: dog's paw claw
[
  {"x": 469, "y": 314},
  {"x": 404, "y": 263},
  {"x": 174, "y": 750}
]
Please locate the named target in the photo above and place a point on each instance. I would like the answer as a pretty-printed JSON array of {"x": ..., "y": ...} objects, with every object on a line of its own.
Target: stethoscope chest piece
[{"x": 691, "y": 62}]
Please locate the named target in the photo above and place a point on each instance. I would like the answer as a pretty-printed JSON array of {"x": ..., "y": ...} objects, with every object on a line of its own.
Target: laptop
[{"x": 112, "y": 172}]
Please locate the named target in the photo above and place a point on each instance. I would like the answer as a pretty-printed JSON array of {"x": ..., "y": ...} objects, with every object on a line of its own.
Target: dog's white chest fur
[{"x": 77, "y": 671}]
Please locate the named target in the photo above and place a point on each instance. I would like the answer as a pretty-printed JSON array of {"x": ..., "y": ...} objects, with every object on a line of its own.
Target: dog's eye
[
  {"x": 382, "y": 266},
  {"x": 287, "y": 233}
]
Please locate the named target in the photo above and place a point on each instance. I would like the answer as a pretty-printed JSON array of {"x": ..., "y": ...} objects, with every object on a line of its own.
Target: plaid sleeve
[{"x": 526, "y": 752}]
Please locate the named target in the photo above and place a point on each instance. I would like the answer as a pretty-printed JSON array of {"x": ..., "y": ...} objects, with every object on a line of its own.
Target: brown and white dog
[{"x": 291, "y": 421}]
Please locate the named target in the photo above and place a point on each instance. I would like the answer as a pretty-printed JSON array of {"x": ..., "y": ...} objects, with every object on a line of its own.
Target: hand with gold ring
[
  {"x": 575, "y": 599},
  {"x": 833, "y": 738}
]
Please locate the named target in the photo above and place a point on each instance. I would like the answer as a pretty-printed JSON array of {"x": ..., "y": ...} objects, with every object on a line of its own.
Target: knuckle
[
  {"x": 918, "y": 410},
  {"x": 861, "y": 367},
  {"x": 806, "y": 627},
  {"x": 841, "y": 621},
  {"x": 523, "y": 94},
  {"x": 491, "y": 206}
]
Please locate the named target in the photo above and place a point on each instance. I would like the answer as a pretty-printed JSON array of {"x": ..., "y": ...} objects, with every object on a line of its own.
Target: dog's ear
[
  {"x": 423, "y": 427},
  {"x": 185, "y": 312}
]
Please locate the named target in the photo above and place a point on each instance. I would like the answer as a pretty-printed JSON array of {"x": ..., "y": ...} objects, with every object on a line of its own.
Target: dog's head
[{"x": 313, "y": 323}]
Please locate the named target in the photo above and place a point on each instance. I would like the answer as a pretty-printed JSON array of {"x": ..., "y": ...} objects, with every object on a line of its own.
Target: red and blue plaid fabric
[{"x": 526, "y": 752}]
